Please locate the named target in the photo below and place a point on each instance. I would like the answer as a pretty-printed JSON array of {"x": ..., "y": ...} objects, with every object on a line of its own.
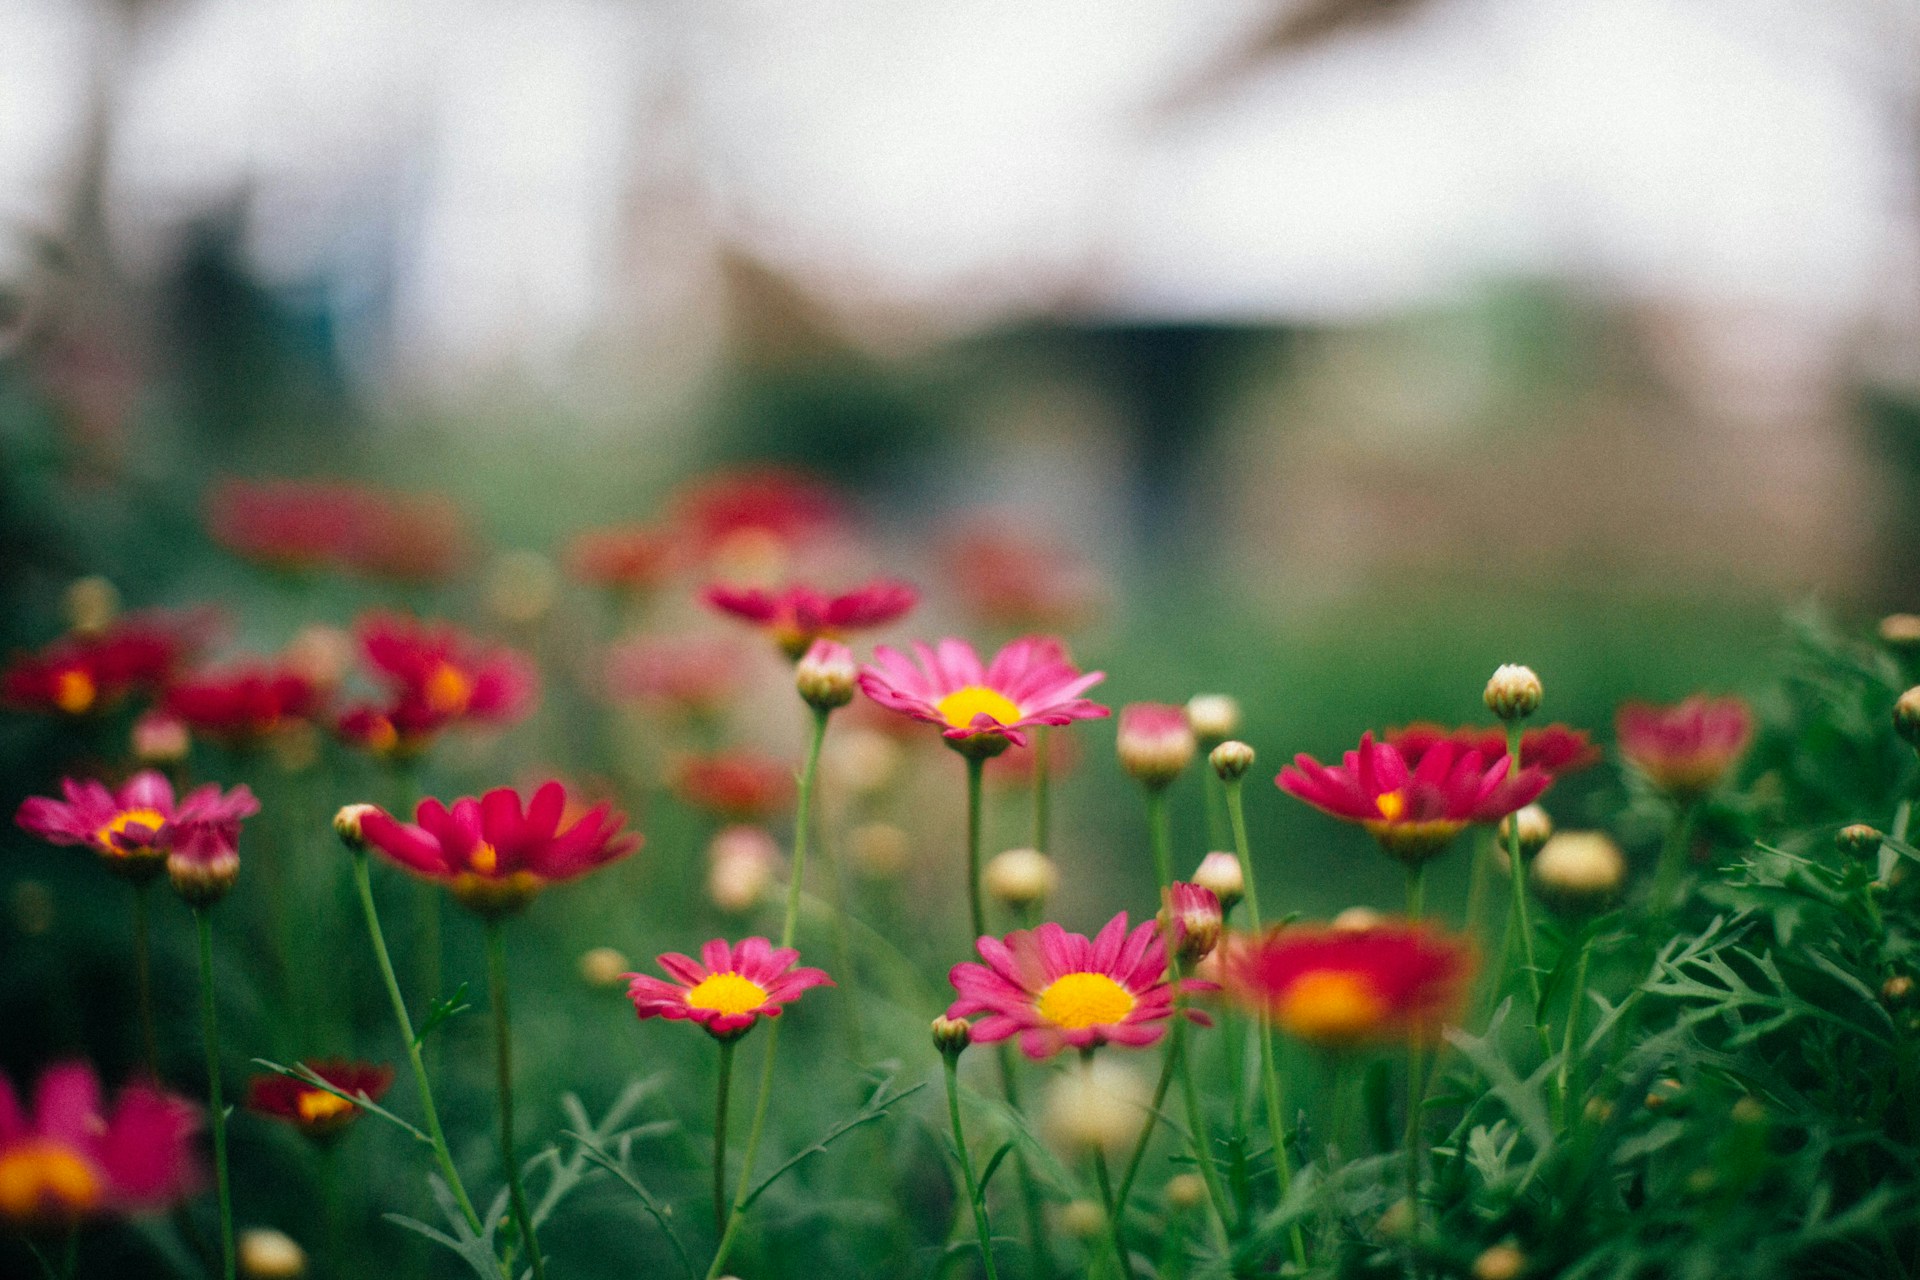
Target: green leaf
[
  {"x": 993, "y": 1163},
  {"x": 661, "y": 1214},
  {"x": 875, "y": 1108},
  {"x": 478, "y": 1251},
  {"x": 439, "y": 1011}
]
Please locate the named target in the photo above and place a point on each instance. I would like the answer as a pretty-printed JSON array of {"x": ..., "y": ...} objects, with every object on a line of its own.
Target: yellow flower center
[
  {"x": 449, "y": 689},
  {"x": 1332, "y": 1006},
  {"x": 962, "y": 705},
  {"x": 1391, "y": 805},
  {"x": 727, "y": 993},
  {"x": 41, "y": 1175},
  {"x": 152, "y": 819},
  {"x": 74, "y": 692},
  {"x": 484, "y": 859},
  {"x": 1076, "y": 1001},
  {"x": 317, "y": 1106}
]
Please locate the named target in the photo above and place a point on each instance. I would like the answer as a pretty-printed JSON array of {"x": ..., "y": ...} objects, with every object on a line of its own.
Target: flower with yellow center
[
  {"x": 448, "y": 689},
  {"x": 1077, "y": 1001},
  {"x": 1331, "y": 1007},
  {"x": 318, "y": 1107},
  {"x": 961, "y": 707},
  {"x": 727, "y": 993},
  {"x": 74, "y": 691},
  {"x": 727, "y": 990},
  {"x": 1339, "y": 986},
  {"x": 151, "y": 819},
  {"x": 45, "y": 1180}
]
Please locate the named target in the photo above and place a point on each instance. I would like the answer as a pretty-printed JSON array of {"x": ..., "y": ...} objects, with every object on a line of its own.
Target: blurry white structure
[{"x": 519, "y": 187}]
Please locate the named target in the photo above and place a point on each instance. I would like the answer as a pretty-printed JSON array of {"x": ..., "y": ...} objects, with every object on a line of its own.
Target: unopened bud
[
  {"x": 1858, "y": 840},
  {"x": 1191, "y": 920},
  {"x": 160, "y": 738},
  {"x": 1900, "y": 631},
  {"x": 1579, "y": 870},
  {"x": 1222, "y": 873},
  {"x": 1906, "y": 716},
  {"x": 951, "y": 1036},
  {"x": 1536, "y": 828},
  {"x": 1231, "y": 760},
  {"x": 1358, "y": 920},
  {"x": 266, "y": 1254},
  {"x": 202, "y": 879},
  {"x": 1098, "y": 1108},
  {"x": 1155, "y": 742},
  {"x": 1896, "y": 990},
  {"x": 1502, "y": 1262},
  {"x": 1021, "y": 877},
  {"x": 1082, "y": 1218},
  {"x": 90, "y": 605},
  {"x": 1514, "y": 692},
  {"x": 346, "y": 825},
  {"x": 603, "y": 967},
  {"x": 1663, "y": 1093},
  {"x": 825, "y": 675},
  {"x": 859, "y": 761},
  {"x": 740, "y": 865},
  {"x": 1214, "y": 716},
  {"x": 1185, "y": 1191},
  {"x": 1397, "y": 1222}
]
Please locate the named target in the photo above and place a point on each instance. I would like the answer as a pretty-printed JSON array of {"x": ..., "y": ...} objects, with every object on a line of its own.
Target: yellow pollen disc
[
  {"x": 1332, "y": 1005},
  {"x": 152, "y": 819},
  {"x": 317, "y": 1106},
  {"x": 962, "y": 705},
  {"x": 1391, "y": 805},
  {"x": 485, "y": 858},
  {"x": 727, "y": 993},
  {"x": 1076, "y": 1001},
  {"x": 449, "y": 689},
  {"x": 74, "y": 692},
  {"x": 40, "y": 1175}
]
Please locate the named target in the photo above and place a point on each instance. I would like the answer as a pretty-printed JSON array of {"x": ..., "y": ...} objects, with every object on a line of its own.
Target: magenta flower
[
  {"x": 1155, "y": 742},
  {"x": 437, "y": 676},
  {"x": 797, "y": 616},
  {"x": 980, "y": 710},
  {"x": 728, "y": 989},
  {"x": 1413, "y": 812},
  {"x": 128, "y": 828},
  {"x": 1687, "y": 748},
  {"x": 493, "y": 855},
  {"x": 1057, "y": 990},
  {"x": 69, "y": 1160},
  {"x": 203, "y": 842}
]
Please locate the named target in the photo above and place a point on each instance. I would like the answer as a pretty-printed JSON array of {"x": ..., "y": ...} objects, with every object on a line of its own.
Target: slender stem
[
  {"x": 1162, "y": 836},
  {"x": 1574, "y": 1002},
  {"x": 1153, "y": 1115},
  {"x": 210, "y": 1030},
  {"x": 1029, "y": 1189},
  {"x": 720, "y": 1135},
  {"x": 1042, "y": 789},
  {"x": 1416, "y": 1075},
  {"x": 503, "y": 1080},
  {"x": 802, "y": 824},
  {"x": 1237, "y": 815},
  {"x": 1671, "y": 871},
  {"x": 966, "y": 1166},
  {"x": 1197, "y": 1121},
  {"x": 976, "y": 766},
  {"x": 1105, "y": 1180},
  {"x": 1517, "y": 873},
  {"x": 364, "y": 885},
  {"x": 143, "y": 975}
]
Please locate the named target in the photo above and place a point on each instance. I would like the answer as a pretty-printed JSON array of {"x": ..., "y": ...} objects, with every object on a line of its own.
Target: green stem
[
  {"x": 976, "y": 766},
  {"x": 1153, "y": 1116},
  {"x": 1029, "y": 1189},
  {"x": 503, "y": 1081},
  {"x": 143, "y": 976},
  {"x": 1671, "y": 872},
  {"x": 1197, "y": 1120},
  {"x": 1237, "y": 815},
  {"x": 210, "y": 1030},
  {"x": 802, "y": 824},
  {"x": 1522, "y": 922},
  {"x": 1574, "y": 1003},
  {"x": 1042, "y": 790},
  {"x": 363, "y": 884},
  {"x": 1105, "y": 1181},
  {"x": 966, "y": 1166},
  {"x": 1161, "y": 834},
  {"x": 1416, "y": 1078},
  {"x": 720, "y": 1136}
]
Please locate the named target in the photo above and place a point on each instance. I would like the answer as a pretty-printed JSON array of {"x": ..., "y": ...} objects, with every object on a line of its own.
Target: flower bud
[
  {"x": 202, "y": 879},
  {"x": 1514, "y": 692},
  {"x": 825, "y": 675},
  {"x": 1155, "y": 742},
  {"x": 1084, "y": 1219},
  {"x": 1906, "y": 716},
  {"x": 1896, "y": 990},
  {"x": 1397, "y": 1222},
  {"x": 879, "y": 849},
  {"x": 1185, "y": 1191},
  {"x": 951, "y": 1036},
  {"x": 90, "y": 605},
  {"x": 740, "y": 864},
  {"x": 1021, "y": 877},
  {"x": 1858, "y": 840},
  {"x": 1536, "y": 828},
  {"x": 346, "y": 825},
  {"x": 160, "y": 738},
  {"x": 1502, "y": 1262},
  {"x": 1221, "y": 872},
  {"x": 1901, "y": 631},
  {"x": 1358, "y": 920},
  {"x": 266, "y": 1254},
  {"x": 1231, "y": 760},
  {"x": 1100, "y": 1108},
  {"x": 1579, "y": 870},
  {"x": 1213, "y": 716},
  {"x": 1190, "y": 920},
  {"x": 603, "y": 967}
]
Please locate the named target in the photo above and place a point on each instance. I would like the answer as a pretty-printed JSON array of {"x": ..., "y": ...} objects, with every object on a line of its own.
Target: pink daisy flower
[
  {"x": 128, "y": 828},
  {"x": 796, "y": 616},
  {"x": 69, "y": 1159},
  {"x": 494, "y": 855},
  {"x": 438, "y": 676},
  {"x": 1057, "y": 990},
  {"x": 1556, "y": 748},
  {"x": 1687, "y": 748},
  {"x": 728, "y": 989},
  {"x": 1414, "y": 812},
  {"x": 1342, "y": 987},
  {"x": 981, "y": 709}
]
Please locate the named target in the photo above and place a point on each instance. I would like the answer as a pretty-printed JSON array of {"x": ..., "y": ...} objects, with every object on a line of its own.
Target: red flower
[
  {"x": 80, "y": 674},
  {"x": 494, "y": 856},
  {"x": 633, "y": 557},
  {"x": 797, "y": 615},
  {"x": 980, "y": 708},
  {"x": 1058, "y": 990},
  {"x": 202, "y": 840},
  {"x": 437, "y": 676},
  {"x": 773, "y": 506},
  {"x": 738, "y": 785},
  {"x": 1007, "y": 577},
  {"x": 131, "y": 829},
  {"x": 1340, "y": 987},
  {"x": 1557, "y": 749},
  {"x": 1413, "y": 813},
  {"x": 245, "y": 704},
  {"x": 303, "y": 524},
  {"x": 315, "y": 1112},
  {"x": 69, "y": 1159},
  {"x": 728, "y": 989},
  {"x": 1687, "y": 748}
]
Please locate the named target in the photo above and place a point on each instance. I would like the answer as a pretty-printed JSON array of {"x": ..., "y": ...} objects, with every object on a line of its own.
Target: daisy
[
  {"x": 796, "y": 616},
  {"x": 726, "y": 991},
  {"x": 68, "y": 1158},
  {"x": 981, "y": 709},
  {"x": 314, "y": 1111},
  {"x": 1340, "y": 987},
  {"x": 1687, "y": 748},
  {"x": 1556, "y": 748}
]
